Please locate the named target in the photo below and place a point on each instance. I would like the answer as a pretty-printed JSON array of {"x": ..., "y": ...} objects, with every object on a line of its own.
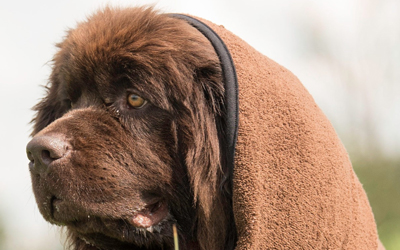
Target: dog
[
  {"x": 154, "y": 122},
  {"x": 127, "y": 141}
]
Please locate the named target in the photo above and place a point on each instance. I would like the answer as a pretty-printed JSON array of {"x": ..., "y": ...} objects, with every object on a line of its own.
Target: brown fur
[{"x": 120, "y": 158}]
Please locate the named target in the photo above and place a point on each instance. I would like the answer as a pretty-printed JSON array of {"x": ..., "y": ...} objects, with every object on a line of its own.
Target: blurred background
[{"x": 346, "y": 53}]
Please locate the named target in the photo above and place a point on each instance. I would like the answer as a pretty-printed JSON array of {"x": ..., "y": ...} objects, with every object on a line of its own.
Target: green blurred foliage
[
  {"x": 2, "y": 234},
  {"x": 381, "y": 180}
]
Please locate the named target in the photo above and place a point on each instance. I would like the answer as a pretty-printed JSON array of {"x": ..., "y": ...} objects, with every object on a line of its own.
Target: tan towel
[{"x": 293, "y": 184}]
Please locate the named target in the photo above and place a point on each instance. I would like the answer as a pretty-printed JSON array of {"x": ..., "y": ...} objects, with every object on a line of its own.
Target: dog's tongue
[
  {"x": 150, "y": 216},
  {"x": 143, "y": 220}
]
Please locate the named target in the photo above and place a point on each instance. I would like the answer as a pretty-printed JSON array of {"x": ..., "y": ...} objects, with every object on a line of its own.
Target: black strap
[{"x": 230, "y": 81}]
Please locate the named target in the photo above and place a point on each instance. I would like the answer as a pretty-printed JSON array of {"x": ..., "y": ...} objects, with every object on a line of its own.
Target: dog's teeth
[{"x": 150, "y": 229}]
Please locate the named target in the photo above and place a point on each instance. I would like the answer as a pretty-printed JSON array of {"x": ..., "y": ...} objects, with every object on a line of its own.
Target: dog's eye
[{"x": 136, "y": 101}]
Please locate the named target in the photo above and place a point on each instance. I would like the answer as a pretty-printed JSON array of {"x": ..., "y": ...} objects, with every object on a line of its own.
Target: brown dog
[
  {"x": 126, "y": 142},
  {"x": 142, "y": 129}
]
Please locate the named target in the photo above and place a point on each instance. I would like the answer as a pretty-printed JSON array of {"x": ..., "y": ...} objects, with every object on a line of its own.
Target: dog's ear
[
  {"x": 198, "y": 125},
  {"x": 54, "y": 104}
]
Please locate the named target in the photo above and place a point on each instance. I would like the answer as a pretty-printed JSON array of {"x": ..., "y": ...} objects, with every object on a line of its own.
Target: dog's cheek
[
  {"x": 153, "y": 142},
  {"x": 99, "y": 177}
]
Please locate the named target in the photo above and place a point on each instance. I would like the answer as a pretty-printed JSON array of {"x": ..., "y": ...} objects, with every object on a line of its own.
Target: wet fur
[{"x": 170, "y": 148}]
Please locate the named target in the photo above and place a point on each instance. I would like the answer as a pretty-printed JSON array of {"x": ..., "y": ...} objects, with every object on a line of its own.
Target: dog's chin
[{"x": 149, "y": 227}]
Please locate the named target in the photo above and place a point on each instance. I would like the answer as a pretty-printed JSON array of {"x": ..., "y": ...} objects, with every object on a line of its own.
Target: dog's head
[{"x": 126, "y": 140}]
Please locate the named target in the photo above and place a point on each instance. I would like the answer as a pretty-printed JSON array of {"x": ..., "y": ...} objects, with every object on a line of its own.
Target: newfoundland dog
[{"x": 127, "y": 141}]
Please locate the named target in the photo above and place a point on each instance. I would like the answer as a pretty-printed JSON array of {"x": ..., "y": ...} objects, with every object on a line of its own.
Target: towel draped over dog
[{"x": 293, "y": 184}]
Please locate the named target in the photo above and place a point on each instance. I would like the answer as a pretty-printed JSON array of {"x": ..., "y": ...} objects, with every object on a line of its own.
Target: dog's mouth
[
  {"x": 150, "y": 221},
  {"x": 148, "y": 216}
]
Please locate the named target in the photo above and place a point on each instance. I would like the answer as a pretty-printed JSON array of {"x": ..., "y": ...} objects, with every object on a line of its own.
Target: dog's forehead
[
  {"x": 105, "y": 40},
  {"x": 103, "y": 63}
]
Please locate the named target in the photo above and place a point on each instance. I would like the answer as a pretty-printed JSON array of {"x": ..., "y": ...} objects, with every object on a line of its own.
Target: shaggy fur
[{"x": 118, "y": 159}]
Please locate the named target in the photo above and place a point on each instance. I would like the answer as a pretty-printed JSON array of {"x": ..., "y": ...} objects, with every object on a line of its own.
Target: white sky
[{"x": 29, "y": 29}]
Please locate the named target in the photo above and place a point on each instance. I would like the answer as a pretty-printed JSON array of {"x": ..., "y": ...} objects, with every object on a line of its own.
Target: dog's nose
[{"x": 45, "y": 149}]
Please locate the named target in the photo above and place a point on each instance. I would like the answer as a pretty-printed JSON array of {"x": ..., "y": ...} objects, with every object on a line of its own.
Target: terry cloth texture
[{"x": 293, "y": 183}]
